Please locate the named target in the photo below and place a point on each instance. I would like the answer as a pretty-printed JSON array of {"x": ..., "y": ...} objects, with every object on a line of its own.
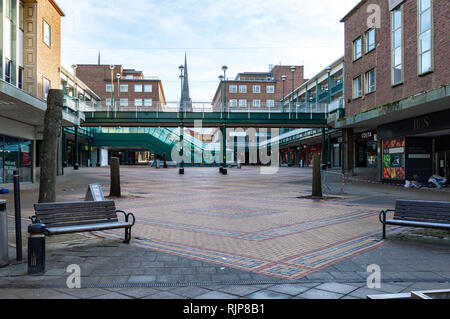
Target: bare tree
[{"x": 49, "y": 149}]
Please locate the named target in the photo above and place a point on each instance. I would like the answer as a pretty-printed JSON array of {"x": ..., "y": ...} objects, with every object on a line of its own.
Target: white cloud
[{"x": 246, "y": 35}]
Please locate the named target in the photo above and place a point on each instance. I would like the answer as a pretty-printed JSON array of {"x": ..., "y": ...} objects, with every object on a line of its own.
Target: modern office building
[
  {"x": 324, "y": 92},
  {"x": 30, "y": 54},
  {"x": 257, "y": 91},
  {"x": 397, "y": 89}
]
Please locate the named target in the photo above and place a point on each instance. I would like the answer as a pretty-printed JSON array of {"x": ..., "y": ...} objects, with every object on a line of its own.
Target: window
[
  {"x": 397, "y": 54},
  {"x": 233, "y": 103},
  {"x": 123, "y": 102},
  {"x": 21, "y": 16},
  {"x": 256, "y": 103},
  {"x": 370, "y": 81},
  {"x": 47, "y": 34},
  {"x": 270, "y": 89},
  {"x": 242, "y": 88},
  {"x": 270, "y": 103},
  {"x": 108, "y": 102},
  {"x": 148, "y": 88},
  {"x": 137, "y": 102},
  {"x": 425, "y": 36},
  {"x": 46, "y": 85},
  {"x": 243, "y": 103},
  {"x": 138, "y": 88},
  {"x": 20, "y": 78},
  {"x": 148, "y": 102},
  {"x": 357, "y": 49},
  {"x": 109, "y": 88},
  {"x": 357, "y": 85},
  {"x": 129, "y": 77},
  {"x": 8, "y": 65},
  {"x": 370, "y": 40},
  {"x": 233, "y": 88},
  {"x": 8, "y": 11},
  {"x": 256, "y": 89},
  {"x": 124, "y": 88}
]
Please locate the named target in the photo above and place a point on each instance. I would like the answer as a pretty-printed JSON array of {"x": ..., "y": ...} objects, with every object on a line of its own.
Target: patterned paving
[{"x": 245, "y": 220}]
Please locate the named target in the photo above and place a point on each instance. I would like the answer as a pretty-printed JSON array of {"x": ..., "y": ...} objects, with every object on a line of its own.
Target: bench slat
[
  {"x": 85, "y": 228},
  {"x": 81, "y": 223},
  {"x": 74, "y": 210},
  {"x": 75, "y": 219},
  {"x": 80, "y": 214},
  {"x": 74, "y": 204}
]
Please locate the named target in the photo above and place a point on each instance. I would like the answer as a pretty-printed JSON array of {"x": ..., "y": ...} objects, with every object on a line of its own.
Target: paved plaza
[{"x": 245, "y": 235}]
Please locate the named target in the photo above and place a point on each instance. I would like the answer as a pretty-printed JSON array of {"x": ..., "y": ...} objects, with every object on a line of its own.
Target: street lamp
[
  {"x": 224, "y": 129},
  {"x": 111, "y": 67},
  {"x": 283, "y": 77},
  {"x": 118, "y": 76},
  {"x": 181, "y": 170},
  {"x": 293, "y": 71}
]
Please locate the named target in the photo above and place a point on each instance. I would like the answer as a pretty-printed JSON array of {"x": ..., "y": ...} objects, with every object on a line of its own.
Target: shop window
[{"x": 394, "y": 159}]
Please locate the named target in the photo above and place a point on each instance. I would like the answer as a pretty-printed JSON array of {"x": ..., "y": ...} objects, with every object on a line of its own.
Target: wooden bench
[
  {"x": 78, "y": 217},
  {"x": 415, "y": 213}
]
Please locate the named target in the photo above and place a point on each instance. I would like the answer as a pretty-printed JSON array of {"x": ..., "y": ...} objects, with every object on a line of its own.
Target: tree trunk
[
  {"x": 316, "y": 180},
  {"x": 115, "y": 178},
  {"x": 49, "y": 149}
]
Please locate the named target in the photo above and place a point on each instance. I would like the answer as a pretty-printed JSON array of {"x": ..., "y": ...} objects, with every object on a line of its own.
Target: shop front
[
  {"x": 366, "y": 149},
  {"x": 417, "y": 148},
  {"x": 312, "y": 150},
  {"x": 15, "y": 153}
]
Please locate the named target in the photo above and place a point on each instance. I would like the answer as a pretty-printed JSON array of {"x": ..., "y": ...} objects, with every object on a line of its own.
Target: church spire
[{"x": 185, "y": 96}]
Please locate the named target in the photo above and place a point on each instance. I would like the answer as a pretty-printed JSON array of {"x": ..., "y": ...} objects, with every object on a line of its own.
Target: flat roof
[{"x": 353, "y": 10}]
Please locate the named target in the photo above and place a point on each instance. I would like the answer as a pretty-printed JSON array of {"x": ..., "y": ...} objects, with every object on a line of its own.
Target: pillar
[
  {"x": 323, "y": 152},
  {"x": 75, "y": 157},
  {"x": 224, "y": 149},
  {"x": 348, "y": 155},
  {"x": 181, "y": 170},
  {"x": 329, "y": 151}
]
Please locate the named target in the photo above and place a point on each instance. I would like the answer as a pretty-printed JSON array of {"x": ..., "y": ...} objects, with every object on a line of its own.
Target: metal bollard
[
  {"x": 36, "y": 248},
  {"x": 4, "y": 259}
]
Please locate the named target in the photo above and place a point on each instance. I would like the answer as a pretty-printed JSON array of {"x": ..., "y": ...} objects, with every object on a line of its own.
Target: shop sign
[{"x": 367, "y": 136}]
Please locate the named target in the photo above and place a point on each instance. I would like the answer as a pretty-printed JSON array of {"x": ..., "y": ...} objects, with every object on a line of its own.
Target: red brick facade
[
  {"x": 97, "y": 77},
  {"x": 380, "y": 58}
]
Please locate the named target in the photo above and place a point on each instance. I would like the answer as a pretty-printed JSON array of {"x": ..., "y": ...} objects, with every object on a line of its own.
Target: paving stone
[
  {"x": 215, "y": 295},
  {"x": 337, "y": 287},
  {"x": 189, "y": 292},
  {"x": 268, "y": 294},
  {"x": 290, "y": 289},
  {"x": 241, "y": 290},
  {"x": 113, "y": 295},
  {"x": 364, "y": 292},
  {"x": 84, "y": 293},
  {"x": 320, "y": 294},
  {"x": 164, "y": 295},
  {"x": 138, "y": 292}
]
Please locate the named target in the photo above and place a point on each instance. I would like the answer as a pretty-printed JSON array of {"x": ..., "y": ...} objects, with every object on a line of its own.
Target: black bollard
[
  {"x": 36, "y": 248},
  {"x": 18, "y": 216}
]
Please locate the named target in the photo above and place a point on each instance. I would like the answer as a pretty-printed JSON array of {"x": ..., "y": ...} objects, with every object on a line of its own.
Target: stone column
[{"x": 348, "y": 141}]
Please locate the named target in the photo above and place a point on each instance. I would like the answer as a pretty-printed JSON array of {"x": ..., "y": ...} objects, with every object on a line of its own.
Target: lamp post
[
  {"x": 181, "y": 170},
  {"x": 283, "y": 78},
  {"x": 75, "y": 153},
  {"x": 118, "y": 76},
  {"x": 293, "y": 72},
  {"x": 111, "y": 67},
  {"x": 328, "y": 69},
  {"x": 224, "y": 128}
]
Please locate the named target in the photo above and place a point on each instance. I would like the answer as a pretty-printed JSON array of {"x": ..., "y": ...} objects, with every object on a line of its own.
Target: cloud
[{"x": 246, "y": 35}]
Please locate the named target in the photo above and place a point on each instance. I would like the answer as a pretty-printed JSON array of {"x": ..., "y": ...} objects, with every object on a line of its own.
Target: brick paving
[{"x": 244, "y": 235}]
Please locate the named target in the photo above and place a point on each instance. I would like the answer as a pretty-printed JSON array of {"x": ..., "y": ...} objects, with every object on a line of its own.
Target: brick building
[
  {"x": 259, "y": 91},
  {"x": 126, "y": 88},
  {"x": 397, "y": 77},
  {"x": 30, "y": 54}
]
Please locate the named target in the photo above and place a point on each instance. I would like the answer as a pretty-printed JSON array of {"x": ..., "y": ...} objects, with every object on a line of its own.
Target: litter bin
[{"x": 4, "y": 261}]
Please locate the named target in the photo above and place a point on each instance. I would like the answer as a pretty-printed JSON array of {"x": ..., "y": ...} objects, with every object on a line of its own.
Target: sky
[{"x": 246, "y": 35}]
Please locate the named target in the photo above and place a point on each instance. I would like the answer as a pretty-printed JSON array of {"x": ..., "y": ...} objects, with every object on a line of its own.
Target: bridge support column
[
  {"x": 329, "y": 151},
  {"x": 181, "y": 170},
  {"x": 75, "y": 153},
  {"x": 224, "y": 150},
  {"x": 324, "y": 150},
  {"x": 348, "y": 154}
]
